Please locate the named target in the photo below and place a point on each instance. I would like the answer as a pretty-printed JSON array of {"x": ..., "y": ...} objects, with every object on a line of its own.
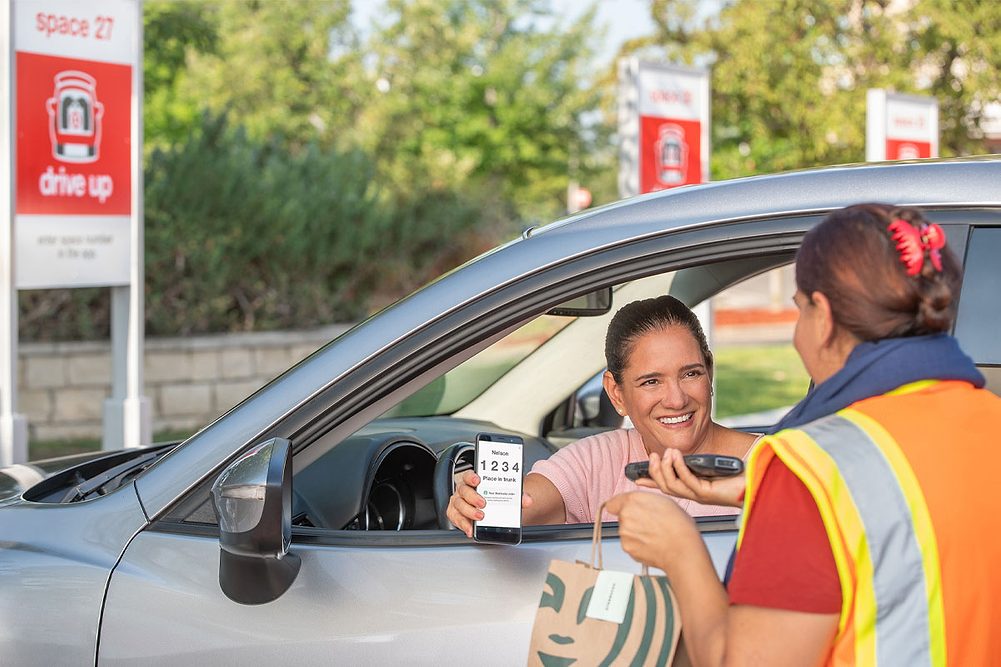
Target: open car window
[
  {"x": 759, "y": 375},
  {"x": 461, "y": 385},
  {"x": 540, "y": 381}
]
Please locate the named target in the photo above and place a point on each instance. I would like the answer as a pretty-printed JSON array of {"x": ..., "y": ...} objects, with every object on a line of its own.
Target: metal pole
[
  {"x": 114, "y": 407},
  {"x": 127, "y": 419},
  {"x": 138, "y": 425},
  {"x": 628, "y": 126},
  {"x": 13, "y": 427},
  {"x": 875, "y": 125}
]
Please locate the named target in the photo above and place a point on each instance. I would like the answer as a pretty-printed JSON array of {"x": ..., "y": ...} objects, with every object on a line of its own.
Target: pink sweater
[{"x": 590, "y": 471}]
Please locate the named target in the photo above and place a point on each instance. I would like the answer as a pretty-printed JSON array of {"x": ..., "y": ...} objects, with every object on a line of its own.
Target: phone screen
[{"x": 499, "y": 467}]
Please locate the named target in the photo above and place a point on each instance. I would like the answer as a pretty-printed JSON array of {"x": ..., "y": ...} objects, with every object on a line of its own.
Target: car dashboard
[{"x": 381, "y": 477}]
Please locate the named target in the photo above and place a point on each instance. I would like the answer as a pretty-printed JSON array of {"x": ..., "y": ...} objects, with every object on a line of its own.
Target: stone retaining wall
[{"x": 189, "y": 381}]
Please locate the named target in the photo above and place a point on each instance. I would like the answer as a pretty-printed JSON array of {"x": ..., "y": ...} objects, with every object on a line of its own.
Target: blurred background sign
[
  {"x": 900, "y": 127},
  {"x": 664, "y": 124},
  {"x": 578, "y": 197},
  {"x": 74, "y": 141}
]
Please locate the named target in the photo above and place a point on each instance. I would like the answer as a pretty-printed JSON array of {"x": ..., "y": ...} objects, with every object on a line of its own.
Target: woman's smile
[{"x": 682, "y": 421}]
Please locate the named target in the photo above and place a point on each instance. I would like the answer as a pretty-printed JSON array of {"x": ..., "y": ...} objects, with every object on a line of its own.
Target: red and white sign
[
  {"x": 578, "y": 198},
  {"x": 75, "y": 158},
  {"x": 665, "y": 117},
  {"x": 900, "y": 127}
]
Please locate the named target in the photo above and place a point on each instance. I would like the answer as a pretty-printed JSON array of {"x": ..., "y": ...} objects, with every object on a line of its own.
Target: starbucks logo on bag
[{"x": 565, "y": 635}]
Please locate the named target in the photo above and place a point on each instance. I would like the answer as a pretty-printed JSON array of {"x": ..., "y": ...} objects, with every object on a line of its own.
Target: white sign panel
[
  {"x": 671, "y": 92},
  {"x": 99, "y": 30},
  {"x": 76, "y": 112},
  {"x": 92, "y": 254},
  {"x": 663, "y": 126},
  {"x": 900, "y": 127}
]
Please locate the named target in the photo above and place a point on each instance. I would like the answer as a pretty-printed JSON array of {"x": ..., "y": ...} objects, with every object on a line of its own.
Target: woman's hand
[
  {"x": 673, "y": 477},
  {"x": 465, "y": 506},
  {"x": 654, "y": 530}
]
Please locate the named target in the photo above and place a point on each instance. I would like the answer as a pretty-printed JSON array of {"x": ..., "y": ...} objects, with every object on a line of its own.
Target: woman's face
[
  {"x": 805, "y": 337},
  {"x": 666, "y": 390},
  {"x": 823, "y": 354}
]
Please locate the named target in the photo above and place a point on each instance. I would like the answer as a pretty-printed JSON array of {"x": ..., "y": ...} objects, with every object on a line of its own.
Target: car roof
[{"x": 922, "y": 183}]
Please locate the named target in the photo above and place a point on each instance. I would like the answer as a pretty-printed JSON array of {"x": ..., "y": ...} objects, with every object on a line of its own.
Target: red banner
[
  {"x": 670, "y": 152},
  {"x": 901, "y": 149},
  {"x": 74, "y": 138}
]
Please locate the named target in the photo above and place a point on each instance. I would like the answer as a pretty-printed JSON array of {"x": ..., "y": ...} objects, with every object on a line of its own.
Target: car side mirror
[{"x": 252, "y": 499}]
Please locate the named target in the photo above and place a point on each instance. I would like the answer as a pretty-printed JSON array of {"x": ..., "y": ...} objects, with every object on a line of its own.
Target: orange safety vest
[{"x": 908, "y": 489}]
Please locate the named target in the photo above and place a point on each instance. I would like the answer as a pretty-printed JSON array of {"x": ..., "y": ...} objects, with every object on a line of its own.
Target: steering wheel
[{"x": 443, "y": 484}]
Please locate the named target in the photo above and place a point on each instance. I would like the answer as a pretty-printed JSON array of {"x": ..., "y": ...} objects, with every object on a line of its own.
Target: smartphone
[
  {"x": 499, "y": 465},
  {"x": 707, "y": 466}
]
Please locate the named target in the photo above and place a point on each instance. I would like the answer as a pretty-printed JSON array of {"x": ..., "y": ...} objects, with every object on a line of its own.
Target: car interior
[{"x": 382, "y": 477}]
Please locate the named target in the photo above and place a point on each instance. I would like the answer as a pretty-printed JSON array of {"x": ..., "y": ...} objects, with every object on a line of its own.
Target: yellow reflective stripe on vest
[
  {"x": 892, "y": 614},
  {"x": 837, "y": 510}
]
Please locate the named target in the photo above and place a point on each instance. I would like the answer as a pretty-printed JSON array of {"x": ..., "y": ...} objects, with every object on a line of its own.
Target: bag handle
[
  {"x": 596, "y": 538},
  {"x": 596, "y": 543}
]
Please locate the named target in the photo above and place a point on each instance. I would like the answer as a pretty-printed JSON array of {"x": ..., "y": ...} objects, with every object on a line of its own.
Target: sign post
[
  {"x": 78, "y": 179},
  {"x": 663, "y": 126},
  {"x": 13, "y": 426},
  {"x": 900, "y": 127},
  {"x": 664, "y": 136}
]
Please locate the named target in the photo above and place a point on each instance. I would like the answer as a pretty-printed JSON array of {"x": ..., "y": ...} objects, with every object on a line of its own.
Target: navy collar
[{"x": 874, "y": 368}]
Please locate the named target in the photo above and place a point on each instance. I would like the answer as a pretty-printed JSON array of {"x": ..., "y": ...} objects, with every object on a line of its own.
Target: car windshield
[{"x": 456, "y": 388}]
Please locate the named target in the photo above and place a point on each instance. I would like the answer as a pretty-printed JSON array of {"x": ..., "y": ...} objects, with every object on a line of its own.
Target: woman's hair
[
  {"x": 852, "y": 259},
  {"x": 635, "y": 319}
]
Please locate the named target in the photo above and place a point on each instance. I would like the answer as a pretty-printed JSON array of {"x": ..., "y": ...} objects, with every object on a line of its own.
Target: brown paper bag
[{"x": 564, "y": 634}]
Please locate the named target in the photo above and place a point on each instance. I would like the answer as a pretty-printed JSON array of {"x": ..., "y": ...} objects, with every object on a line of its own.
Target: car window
[
  {"x": 456, "y": 388},
  {"x": 979, "y": 317},
  {"x": 384, "y": 474},
  {"x": 759, "y": 376}
]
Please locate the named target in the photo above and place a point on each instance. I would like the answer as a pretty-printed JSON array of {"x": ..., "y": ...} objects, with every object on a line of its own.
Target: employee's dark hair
[
  {"x": 641, "y": 317},
  {"x": 852, "y": 259}
]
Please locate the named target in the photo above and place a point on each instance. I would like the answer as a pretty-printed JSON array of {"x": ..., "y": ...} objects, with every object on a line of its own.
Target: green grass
[{"x": 759, "y": 377}]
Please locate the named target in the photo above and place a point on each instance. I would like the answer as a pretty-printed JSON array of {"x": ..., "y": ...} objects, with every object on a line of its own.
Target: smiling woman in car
[
  {"x": 660, "y": 377},
  {"x": 862, "y": 539}
]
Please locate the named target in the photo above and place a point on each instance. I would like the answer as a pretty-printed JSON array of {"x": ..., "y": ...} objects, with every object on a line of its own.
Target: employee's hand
[
  {"x": 653, "y": 529},
  {"x": 466, "y": 506},
  {"x": 673, "y": 477}
]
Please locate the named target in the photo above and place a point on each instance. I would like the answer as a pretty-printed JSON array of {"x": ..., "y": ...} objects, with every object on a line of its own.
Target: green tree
[
  {"x": 487, "y": 96},
  {"x": 789, "y": 77},
  {"x": 960, "y": 43},
  {"x": 279, "y": 68},
  {"x": 171, "y": 31}
]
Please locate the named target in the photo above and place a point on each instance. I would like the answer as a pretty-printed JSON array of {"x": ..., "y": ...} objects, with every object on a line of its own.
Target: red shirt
[{"x": 785, "y": 559}]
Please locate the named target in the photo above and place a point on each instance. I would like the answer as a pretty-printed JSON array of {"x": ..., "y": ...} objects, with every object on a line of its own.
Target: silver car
[{"x": 306, "y": 525}]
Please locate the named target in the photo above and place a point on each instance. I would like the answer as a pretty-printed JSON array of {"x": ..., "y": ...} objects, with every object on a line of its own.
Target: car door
[
  {"x": 361, "y": 599},
  {"x": 410, "y": 596}
]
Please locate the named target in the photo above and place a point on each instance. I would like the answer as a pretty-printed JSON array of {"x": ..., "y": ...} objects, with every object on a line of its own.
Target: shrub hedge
[{"x": 252, "y": 235}]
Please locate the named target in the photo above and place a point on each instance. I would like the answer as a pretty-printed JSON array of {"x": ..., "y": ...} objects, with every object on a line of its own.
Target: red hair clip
[{"x": 913, "y": 243}]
